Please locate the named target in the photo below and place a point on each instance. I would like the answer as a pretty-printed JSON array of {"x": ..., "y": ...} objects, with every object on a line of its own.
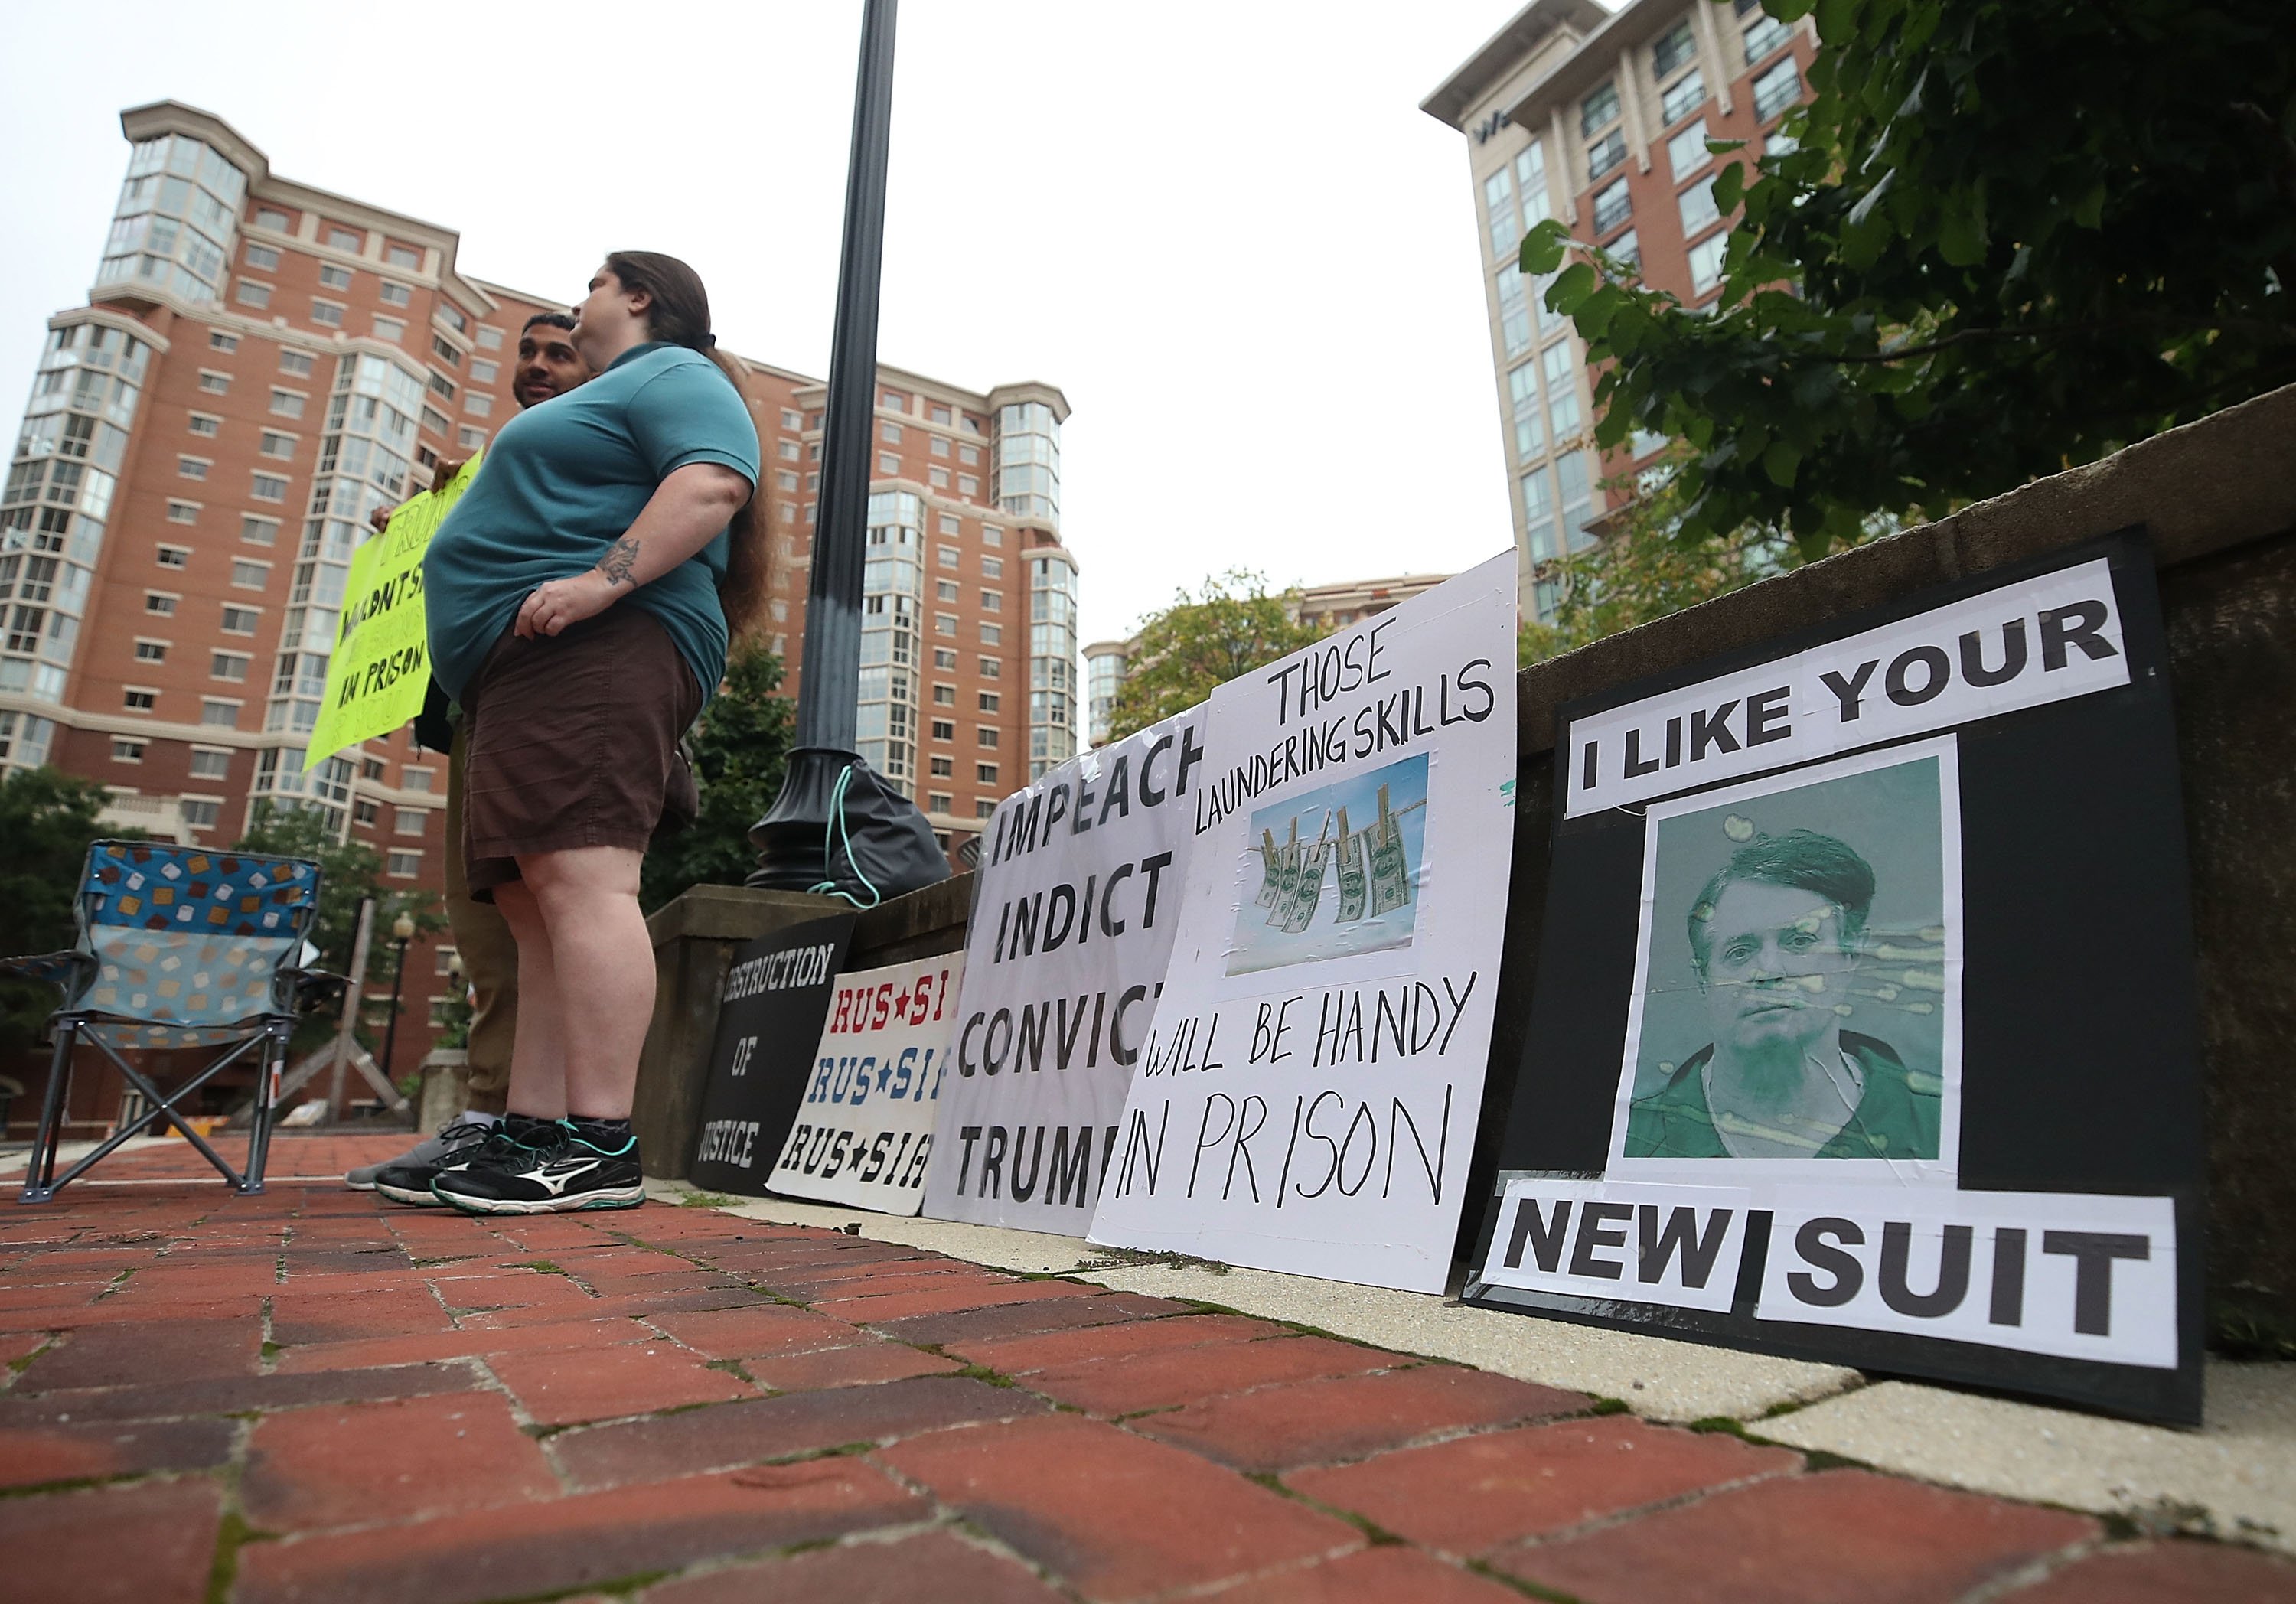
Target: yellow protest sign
[{"x": 380, "y": 668}]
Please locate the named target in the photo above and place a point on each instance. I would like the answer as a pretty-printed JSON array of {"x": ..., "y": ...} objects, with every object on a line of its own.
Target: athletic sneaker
[
  {"x": 456, "y": 1136},
  {"x": 561, "y": 1171},
  {"x": 499, "y": 1143}
]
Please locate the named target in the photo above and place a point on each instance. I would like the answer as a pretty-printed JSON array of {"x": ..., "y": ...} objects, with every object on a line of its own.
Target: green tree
[
  {"x": 349, "y": 873},
  {"x": 1641, "y": 570},
  {"x": 1228, "y": 628},
  {"x": 739, "y": 749},
  {"x": 46, "y": 820},
  {"x": 2016, "y": 235}
]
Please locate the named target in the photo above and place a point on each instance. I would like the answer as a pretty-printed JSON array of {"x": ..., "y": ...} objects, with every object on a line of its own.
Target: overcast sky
[{"x": 1225, "y": 230}]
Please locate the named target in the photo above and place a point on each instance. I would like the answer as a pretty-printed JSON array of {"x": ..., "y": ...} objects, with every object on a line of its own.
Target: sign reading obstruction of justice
[
  {"x": 380, "y": 669},
  {"x": 863, "y": 1132},
  {"x": 1305, "y": 1096},
  {"x": 1864, "y": 1025},
  {"x": 1073, "y": 924},
  {"x": 777, "y": 994}
]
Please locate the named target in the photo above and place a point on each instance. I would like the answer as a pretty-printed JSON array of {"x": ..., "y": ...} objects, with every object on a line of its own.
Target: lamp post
[
  {"x": 793, "y": 839},
  {"x": 402, "y": 932}
]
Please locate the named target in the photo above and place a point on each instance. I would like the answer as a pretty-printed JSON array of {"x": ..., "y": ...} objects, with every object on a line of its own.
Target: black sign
[
  {"x": 1865, "y": 1028},
  {"x": 769, "y": 1021}
]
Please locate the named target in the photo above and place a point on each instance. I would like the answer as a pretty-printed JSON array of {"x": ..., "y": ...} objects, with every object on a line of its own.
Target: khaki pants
[{"x": 489, "y": 957}]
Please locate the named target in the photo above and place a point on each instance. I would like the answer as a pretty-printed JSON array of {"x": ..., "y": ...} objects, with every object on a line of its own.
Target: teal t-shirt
[{"x": 564, "y": 481}]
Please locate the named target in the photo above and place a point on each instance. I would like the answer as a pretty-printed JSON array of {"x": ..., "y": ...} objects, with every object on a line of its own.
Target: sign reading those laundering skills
[
  {"x": 1306, "y": 1098},
  {"x": 1078, "y": 894},
  {"x": 863, "y": 1129},
  {"x": 776, "y": 995},
  {"x": 380, "y": 669},
  {"x": 1864, "y": 1023}
]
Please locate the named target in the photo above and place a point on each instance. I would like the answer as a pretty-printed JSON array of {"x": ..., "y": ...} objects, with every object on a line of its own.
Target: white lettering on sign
[
  {"x": 2037, "y": 641},
  {"x": 728, "y": 1141},
  {"x": 1631, "y": 1241},
  {"x": 2078, "y": 1275}
]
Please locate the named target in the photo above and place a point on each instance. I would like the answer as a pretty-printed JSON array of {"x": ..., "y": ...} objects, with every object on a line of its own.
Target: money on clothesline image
[{"x": 1334, "y": 872}]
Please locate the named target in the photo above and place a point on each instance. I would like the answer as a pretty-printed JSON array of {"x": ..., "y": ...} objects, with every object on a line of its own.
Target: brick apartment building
[
  {"x": 260, "y": 364},
  {"x": 1601, "y": 119}
]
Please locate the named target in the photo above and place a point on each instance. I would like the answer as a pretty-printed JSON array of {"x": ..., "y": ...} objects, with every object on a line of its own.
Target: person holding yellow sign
[{"x": 581, "y": 597}]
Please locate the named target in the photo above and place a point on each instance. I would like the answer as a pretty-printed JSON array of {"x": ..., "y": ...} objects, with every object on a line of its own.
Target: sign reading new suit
[{"x": 1865, "y": 1022}]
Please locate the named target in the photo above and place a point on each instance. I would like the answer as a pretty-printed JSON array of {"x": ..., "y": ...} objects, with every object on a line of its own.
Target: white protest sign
[
  {"x": 2028, "y": 642},
  {"x": 2078, "y": 1275},
  {"x": 1306, "y": 1097},
  {"x": 1078, "y": 894},
  {"x": 863, "y": 1132},
  {"x": 1638, "y": 1242}
]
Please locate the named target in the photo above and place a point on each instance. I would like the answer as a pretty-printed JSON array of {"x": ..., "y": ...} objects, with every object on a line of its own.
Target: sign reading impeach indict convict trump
[
  {"x": 1863, "y": 1025},
  {"x": 1306, "y": 1095}
]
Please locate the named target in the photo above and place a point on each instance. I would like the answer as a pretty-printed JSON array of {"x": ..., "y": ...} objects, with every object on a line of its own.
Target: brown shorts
[{"x": 572, "y": 740}]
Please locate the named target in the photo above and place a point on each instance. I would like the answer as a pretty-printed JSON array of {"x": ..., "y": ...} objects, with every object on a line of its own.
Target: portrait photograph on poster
[
  {"x": 1797, "y": 1001},
  {"x": 1333, "y": 872},
  {"x": 1864, "y": 1025}
]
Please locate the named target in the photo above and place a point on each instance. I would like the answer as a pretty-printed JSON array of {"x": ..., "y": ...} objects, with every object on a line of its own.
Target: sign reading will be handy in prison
[
  {"x": 380, "y": 669},
  {"x": 864, "y": 1128}
]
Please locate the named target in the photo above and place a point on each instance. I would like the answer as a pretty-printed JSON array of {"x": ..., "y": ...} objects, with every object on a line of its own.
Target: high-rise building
[
  {"x": 1602, "y": 118},
  {"x": 261, "y": 364}
]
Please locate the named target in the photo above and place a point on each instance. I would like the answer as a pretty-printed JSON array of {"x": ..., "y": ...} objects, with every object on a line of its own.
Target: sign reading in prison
[{"x": 1306, "y": 1095}]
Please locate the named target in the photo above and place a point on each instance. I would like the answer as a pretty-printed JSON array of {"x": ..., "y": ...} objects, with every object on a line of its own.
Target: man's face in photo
[
  {"x": 1775, "y": 968},
  {"x": 547, "y": 366}
]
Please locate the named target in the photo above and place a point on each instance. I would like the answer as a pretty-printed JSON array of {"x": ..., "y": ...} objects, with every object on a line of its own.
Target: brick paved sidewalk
[{"x": 314, "y": 1396}]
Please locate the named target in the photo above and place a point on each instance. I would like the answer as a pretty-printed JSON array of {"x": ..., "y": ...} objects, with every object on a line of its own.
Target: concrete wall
[{"x": 2217, "y": 500}]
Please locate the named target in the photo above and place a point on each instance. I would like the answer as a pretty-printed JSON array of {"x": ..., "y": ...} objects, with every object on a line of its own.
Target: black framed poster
[{"x": 1865, "y": 1028}]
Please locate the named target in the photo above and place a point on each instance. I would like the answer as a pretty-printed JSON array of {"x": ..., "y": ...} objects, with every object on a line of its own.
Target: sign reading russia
[
  {"x": 380, "y": 671},
  {"x": 864, "y": 1128}
]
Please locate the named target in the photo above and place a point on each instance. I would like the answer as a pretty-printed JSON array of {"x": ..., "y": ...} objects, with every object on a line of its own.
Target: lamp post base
[{"x": 837, "y": 827}]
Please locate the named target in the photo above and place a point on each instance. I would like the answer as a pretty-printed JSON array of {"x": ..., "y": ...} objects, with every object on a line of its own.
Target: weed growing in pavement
[{"x": 1603, "y": 1406}]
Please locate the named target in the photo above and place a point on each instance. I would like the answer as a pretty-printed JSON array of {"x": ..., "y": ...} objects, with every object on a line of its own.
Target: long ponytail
[{"x": 680, "y": 315}]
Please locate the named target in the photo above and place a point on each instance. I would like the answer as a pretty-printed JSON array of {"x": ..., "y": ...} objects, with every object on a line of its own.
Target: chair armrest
[{"x": 67, "y": 971}]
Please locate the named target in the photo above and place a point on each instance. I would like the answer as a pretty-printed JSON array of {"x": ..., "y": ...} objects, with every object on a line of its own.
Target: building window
[
  {"x": 218, "y": 713},
  {"x": 286, "y": 404},
  {"x": 944, "y": 729},
  {"x": 239, "y": 620},
  {"x": 396, "y": 295},
  {"x": 210, "y": 763},
  {"x": 940, "y": 802},
  {"x": 415, "y": 780},
  {"x": 943, "y": 624},
  {"x": 1539, "y": 513},
  {"x": 391, "y": 330},
  {"x": 183, "y": 512},
  {"x": 1764, "y": 37},
  {"x": 162, "y": 606},
  {"x": 1499, "y": 213},
  {"x": 985, "y": 735},
  {"x": 1706, "y": 262},
  {"x": 339, "y": 237},
  {"x": 173, "y": 557},
  {"x": 945, "y": 696},
  {"x": 200, "y": 812},
  {"x": 405, "y": 865},
  {"x": 257, "y": 531},
  {"x": 1679, "y": 99},
  {"x": 192, "y": 467},
  {"x": 945, "y": 590},
  {"x": 1698, "y": 208},
  {"x": 990, "y": 702},
  {"x": 227, "y": 666},
  {"x": 295, "y": 361},
  {"x": 893, "y": 401},
  {"x": 948, "y": 557},
  {"x": 250, "y": 576},
  {"x": 334, "y": 277},
  {"x": 435, "y": 421},
  {"x": 992, "y": 600},
  {"x": 984, "y": 773},
  {"x": 250, "y": 293},
  {"x": 992, "y": 634},
  {"x": 944, "y": 768},
  {"x": 990, "y": 536},
  {"x": 267, "y": 488},
  {"x": 888, "y": 464},
  {"x": 477, "y": 404},
  {"x": 1599, "y": 110},
  {"x": 1561, "y": 391},
  {"x": 1687, "y": 152},
  {"x": 991, "y": 669},
  {"x": 1605, "y": 154},
  {"x": 937, "y": 478},
  {"x": 151, "y": 652},
  {"x": 1612, "y": 207},
  {"x": 470, "y": 438},
  {"x": 1530, "y": 183},
  {"x": 1578, "y": 500},
  {"x": 139, "y": 702},
  {"x": 1775, "y": 90},
  {"x": 327, "y": 314},
  {"x": 124, "y": 750},
  {"x": 983, "y": 808},
  {"x": 410, "y": 820},
  {"x": 277, "y": 445},
  {"x": 890, "y": 432},
  {"x": 484, "y": 372},
  {"x": 219, "y": 340},
  {"x": 1628, "y": 248},
  {"x": 214, "y": 383},
  {"x": 1522, "y": 402},
  {"x": 943, "y": 658},
  {"x": 1514, "y": 311},
  {"x": 1674, "y": 48},
  {"x": 206, "y": 424}
]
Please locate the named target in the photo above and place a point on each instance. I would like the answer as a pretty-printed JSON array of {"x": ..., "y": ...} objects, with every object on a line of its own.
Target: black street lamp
[
  {"x": 836, "y": 825},
  {"x": 402, "y": 932}
]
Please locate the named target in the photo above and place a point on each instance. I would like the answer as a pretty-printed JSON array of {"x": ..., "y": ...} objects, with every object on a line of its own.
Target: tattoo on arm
[{"x": 620, "y": 559}]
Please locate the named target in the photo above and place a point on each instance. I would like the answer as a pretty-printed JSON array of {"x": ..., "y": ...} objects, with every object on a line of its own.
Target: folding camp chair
[{"x": 179, "y": 947}]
